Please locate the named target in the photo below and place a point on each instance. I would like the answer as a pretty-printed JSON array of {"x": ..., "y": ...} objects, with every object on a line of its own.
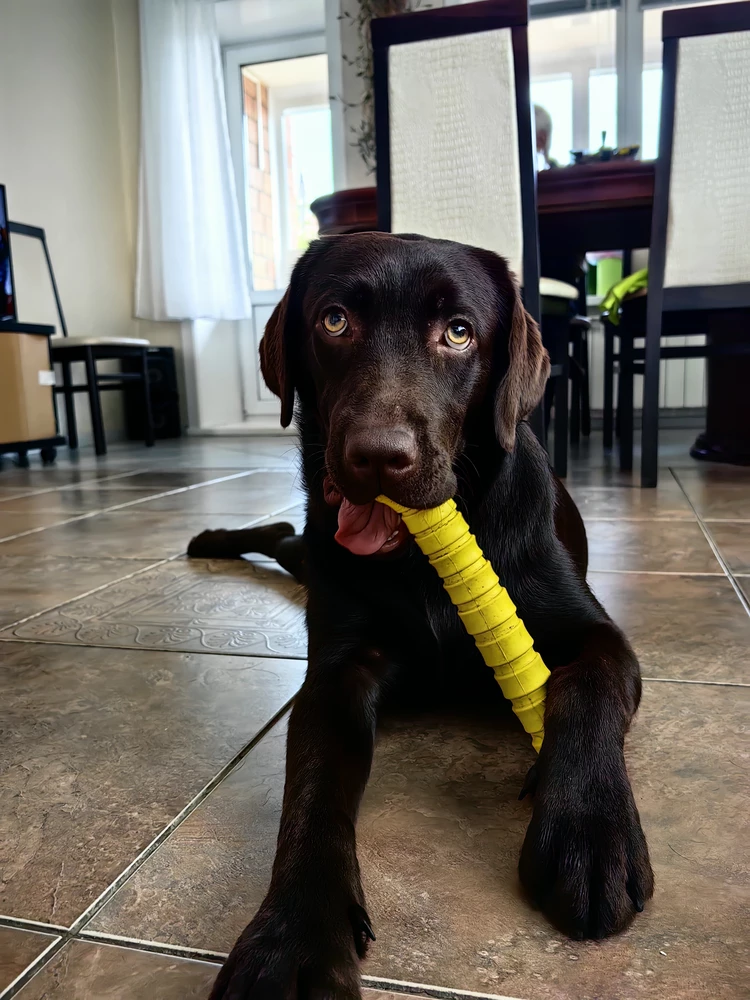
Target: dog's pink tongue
[{"x": 365, "y": 528}]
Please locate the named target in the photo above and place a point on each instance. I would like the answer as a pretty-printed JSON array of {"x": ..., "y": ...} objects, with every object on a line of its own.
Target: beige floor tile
[
  {"x": 72, "y": 501},
  {"x": 125, "y": 534},
  {"x": 681, "y": 627},
  {"x": 221, "y": 499},
  {"x": 28, "y": 586},
  {"x": 666, "y": 502},
  {"x": 726, "y": 501},
  {"x": 18, "y": 949},
  {"x": 653, "y": 546},
  {"x": 440, "y": 831},
  {"x": 192, "y": 605},
  {"x": 15, "y": 522},
  {"x": 733, "y": 541},
  {"x": 100, "y": 752},
  {"x": 85, "y": 970}
]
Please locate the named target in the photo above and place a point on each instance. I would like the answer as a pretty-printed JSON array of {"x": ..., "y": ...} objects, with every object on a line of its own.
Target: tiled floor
[{"x": 142, "y": 742}]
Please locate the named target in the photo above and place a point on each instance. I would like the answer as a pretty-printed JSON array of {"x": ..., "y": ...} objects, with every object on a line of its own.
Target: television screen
[{"x": 7, "y": 297}]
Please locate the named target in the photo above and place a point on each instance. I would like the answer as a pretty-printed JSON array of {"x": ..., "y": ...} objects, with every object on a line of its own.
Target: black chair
[
  {"x": 67, "y": 350},
  {"x": 447, "y": 170},
  {"x": 699, "y": 266}
]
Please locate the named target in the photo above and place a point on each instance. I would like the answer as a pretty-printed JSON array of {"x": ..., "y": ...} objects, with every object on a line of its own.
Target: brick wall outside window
[{"x": 259, "y": 196}]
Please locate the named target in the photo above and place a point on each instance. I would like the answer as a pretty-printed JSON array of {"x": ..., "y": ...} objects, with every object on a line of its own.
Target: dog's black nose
[{"x": 379, "y": 458}]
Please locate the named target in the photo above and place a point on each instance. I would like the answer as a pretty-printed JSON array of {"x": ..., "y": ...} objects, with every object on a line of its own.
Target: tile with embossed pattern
[
  {"x": 122, "y": 534},
  {"x": 650, "y": 546},
  {"x": 102, "y": 748},
  {"x": 439, "y": 835},
  {"x": 18, "y": 949},
  {"x": 681, "y": 627},
  {"x": 192, "y": 605},
  {"x": 28, "y": 586},
  {"x": 85, "y": 970}
]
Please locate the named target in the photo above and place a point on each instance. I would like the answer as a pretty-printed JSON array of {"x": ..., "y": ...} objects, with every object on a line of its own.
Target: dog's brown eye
[
  {"x": 457, "y": 334},
  {"x": 335, "y": 322}
]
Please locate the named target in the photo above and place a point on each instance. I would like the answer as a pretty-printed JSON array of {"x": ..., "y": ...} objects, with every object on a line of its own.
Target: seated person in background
[{"x": 543, "y": 125}]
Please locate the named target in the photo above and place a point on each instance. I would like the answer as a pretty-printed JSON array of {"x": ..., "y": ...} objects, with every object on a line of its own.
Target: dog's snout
[{"x": 380, "y": 457}]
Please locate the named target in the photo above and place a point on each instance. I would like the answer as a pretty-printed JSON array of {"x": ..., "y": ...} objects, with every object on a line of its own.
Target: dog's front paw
[
  {"x": 584, "y": 861},
  {"x": 289, "y": 950}
]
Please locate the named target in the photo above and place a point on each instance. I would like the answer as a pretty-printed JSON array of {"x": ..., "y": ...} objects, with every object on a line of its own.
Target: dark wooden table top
[{"x": 590, "y": 204}]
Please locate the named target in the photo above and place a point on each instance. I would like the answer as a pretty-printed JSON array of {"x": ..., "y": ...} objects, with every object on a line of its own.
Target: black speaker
[{"x": 165, "y": 396}]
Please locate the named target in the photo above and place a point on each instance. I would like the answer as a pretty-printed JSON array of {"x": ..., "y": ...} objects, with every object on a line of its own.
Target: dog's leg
[
  {"x": 312, "y": 927},
  {"x": 584, "y": 860},
  {"x": 277, "y": 541}
]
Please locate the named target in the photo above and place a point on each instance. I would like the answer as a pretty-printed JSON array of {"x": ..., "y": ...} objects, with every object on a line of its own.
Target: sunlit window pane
[
  {"x": 602, "y": 108},
  {"x": 651, "y": 113}
]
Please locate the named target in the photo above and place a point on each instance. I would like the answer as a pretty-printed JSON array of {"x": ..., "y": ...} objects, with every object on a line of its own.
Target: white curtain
[{"x": 192, "y": 263}]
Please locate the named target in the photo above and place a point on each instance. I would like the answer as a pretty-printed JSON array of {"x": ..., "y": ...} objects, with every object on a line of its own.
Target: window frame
[{"x": 235, "y": 57}]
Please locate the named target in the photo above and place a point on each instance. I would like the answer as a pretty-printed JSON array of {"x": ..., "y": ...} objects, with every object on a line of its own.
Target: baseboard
[{"x": 675, "y": 417}]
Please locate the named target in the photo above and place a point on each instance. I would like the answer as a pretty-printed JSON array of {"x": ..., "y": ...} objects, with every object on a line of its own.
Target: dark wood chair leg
[
  {"x": 608, "y": 421},
  {"x": 147, "y": 412},
  {"x": 70, "y": 406},
  {"x": 95, "y": 403},
  {"x": 575, "y": 387},
  {"x": 650, "y": 422},
  {"x": 625, "y": 403},
  {"x": 585, "y": 398}
]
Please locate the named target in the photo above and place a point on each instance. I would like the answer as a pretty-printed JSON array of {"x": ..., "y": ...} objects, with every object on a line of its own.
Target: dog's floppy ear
[
  {"x": 523, "y": 384},
  {"x": 274, "y": 360}
]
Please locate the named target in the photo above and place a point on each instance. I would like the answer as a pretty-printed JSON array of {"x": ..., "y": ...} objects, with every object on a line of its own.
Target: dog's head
[{"x": 399, "y": 342}]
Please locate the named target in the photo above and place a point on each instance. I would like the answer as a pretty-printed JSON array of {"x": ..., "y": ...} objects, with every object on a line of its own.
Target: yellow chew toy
[{"x": 485, "y": 608}]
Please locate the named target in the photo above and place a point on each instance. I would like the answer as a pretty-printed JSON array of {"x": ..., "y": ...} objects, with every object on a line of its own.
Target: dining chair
[
  {"x": 66, "y": 350},
  {"x": 699, "y": 262},
  {"x": 455, "y": 152}
]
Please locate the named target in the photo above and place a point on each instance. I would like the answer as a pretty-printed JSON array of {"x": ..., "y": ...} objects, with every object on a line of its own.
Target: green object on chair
[{"x": 619, "y": 292}]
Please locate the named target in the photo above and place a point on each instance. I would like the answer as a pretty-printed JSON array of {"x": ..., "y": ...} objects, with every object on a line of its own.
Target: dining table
[{"x": 597, "y": 206}]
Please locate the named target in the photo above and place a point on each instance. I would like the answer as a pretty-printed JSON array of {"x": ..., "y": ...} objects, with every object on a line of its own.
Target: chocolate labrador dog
[{"x": 413, "y": 364}]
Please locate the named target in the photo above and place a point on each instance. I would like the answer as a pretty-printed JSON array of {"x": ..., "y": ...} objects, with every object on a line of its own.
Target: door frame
[{"x": 249, "y": 334}]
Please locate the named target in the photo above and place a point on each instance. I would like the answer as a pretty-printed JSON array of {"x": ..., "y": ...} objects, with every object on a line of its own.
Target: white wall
[{"x": 69, "y": 76}]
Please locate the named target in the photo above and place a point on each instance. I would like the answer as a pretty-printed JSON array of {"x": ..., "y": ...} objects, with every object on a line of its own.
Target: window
[
  {"x": 574, "y": 78},
  {"x": 287, "y": 159},
  {"x": 602, "y": 108},
  {"x": 650, "y": 112}
]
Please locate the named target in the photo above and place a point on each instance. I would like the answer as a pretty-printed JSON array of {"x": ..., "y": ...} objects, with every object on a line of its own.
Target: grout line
[
  {"x": 128, "y": 503},
  {"x": 72, "y": 486},
  {"x": 39, "y": 926},
  {"x": 425, "y": 990},
  {"x": 654, "y": 572},
  {"x": 218, "y": 958},
  {"x": 173, "y": 824},
  {"x": 31, "y": 970},
  {"x": 78, "y": 597},
  {"x": 153, "y": 649},
  {"x": 155, "y": 947},
  {"x": 714, "y": 547},
  {"x": 683, "y": 680}
]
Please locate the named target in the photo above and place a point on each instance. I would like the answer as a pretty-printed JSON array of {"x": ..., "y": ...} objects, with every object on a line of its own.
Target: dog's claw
[
  {"x": 361, "y": 921},
  {"x": 529, "y": 785}
]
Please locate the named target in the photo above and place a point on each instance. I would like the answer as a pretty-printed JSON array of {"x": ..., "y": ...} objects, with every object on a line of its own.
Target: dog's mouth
[{"x": 366, "y": 529}]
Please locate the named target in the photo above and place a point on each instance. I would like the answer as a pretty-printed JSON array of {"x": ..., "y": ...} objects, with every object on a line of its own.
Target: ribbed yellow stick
[{"x": 485, "y": 608}]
